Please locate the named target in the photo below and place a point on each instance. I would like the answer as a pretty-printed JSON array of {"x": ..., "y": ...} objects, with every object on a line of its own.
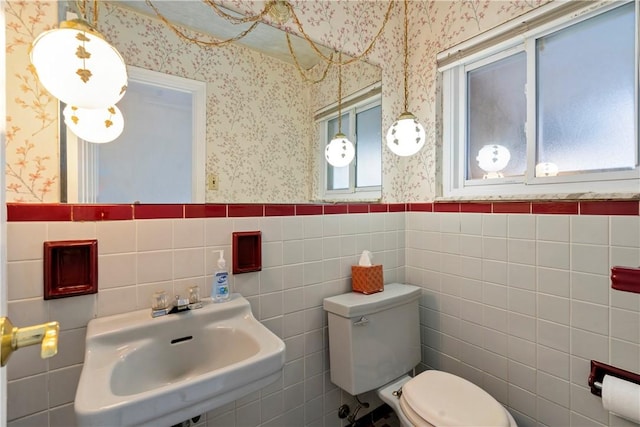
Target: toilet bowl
[
  {"x": 436, "y": 398},
  {"x": 374, "y": 340}
]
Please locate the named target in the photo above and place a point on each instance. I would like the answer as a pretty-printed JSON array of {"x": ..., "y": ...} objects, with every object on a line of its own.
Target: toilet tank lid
[{"x": 354, "y": 304}]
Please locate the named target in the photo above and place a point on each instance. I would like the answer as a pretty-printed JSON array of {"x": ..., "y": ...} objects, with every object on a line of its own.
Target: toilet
[{"x": 374, "y": 341}]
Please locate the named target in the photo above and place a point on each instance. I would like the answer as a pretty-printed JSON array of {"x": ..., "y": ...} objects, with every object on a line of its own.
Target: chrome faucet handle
[{"x": 181, "y": 303}]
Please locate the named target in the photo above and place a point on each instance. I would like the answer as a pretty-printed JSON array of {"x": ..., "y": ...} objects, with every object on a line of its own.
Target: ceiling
[{"x": 197, "y": 15}]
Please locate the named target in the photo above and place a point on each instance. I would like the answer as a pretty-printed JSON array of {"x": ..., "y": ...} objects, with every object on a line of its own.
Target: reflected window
[
  {"x": 362, "y": 124},
  {"x": 158, "y": 158}
]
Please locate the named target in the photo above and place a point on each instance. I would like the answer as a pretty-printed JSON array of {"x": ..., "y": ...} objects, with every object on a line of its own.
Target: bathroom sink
[{"x": 144, "y": 371}]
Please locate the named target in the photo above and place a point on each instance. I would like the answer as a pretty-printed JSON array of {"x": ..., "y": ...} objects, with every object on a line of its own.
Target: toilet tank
[{"x": 373, "y": 339}]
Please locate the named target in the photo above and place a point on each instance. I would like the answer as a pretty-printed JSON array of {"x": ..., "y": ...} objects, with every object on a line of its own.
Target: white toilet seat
[{"x": 436, "y": 398}]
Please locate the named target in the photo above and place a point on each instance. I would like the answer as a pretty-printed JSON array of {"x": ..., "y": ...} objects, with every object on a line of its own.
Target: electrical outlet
[{"x": 212, "y": 182}]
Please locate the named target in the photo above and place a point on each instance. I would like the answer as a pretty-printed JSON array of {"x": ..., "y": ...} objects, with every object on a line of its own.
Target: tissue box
[{"x": 367, "y": 280}]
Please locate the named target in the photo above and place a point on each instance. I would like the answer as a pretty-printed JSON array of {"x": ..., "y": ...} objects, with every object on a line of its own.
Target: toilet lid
[{"x": 443, "y": 399}]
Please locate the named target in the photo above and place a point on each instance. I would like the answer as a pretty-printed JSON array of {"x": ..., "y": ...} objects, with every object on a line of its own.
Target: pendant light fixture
[
  {"x": 98, "y": 125},
  {"x": 340, "y": 151},
  {"x": 406, "y": 136},
  {"x": 78, "y": 66}
]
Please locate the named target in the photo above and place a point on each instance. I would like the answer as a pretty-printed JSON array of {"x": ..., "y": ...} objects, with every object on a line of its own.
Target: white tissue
[
  {"x": 365, "y": 259},
  {"x": 621, "y": 397}
]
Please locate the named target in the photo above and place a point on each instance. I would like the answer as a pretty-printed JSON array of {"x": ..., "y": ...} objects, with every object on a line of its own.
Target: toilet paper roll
[{"x": 621, "y": 397}]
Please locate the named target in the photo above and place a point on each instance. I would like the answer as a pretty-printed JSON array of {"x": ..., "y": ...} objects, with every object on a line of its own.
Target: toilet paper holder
[{"x": 599, "y": 370}]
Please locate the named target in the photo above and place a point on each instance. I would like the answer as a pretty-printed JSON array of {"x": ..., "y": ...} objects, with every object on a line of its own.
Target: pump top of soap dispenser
[{"x": 221, "y": 261}]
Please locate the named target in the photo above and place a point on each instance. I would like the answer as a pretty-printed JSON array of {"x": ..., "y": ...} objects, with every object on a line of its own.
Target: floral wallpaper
[
  {"x": 252, "y": 168},
  {"x": 32, "y": 171}
]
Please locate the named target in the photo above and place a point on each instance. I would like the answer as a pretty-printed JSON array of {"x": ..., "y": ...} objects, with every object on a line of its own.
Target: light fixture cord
[
  {"x": 340, "y": 92},
  {"x": 299, "y": 67},
  {"x": 354, "y": 58},
  {"x": 406, "y": 55},
  {"x": 207, "y": 43}
]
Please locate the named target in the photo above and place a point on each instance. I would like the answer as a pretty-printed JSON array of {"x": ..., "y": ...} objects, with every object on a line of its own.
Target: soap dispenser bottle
[{"x": 220, "y": 287}]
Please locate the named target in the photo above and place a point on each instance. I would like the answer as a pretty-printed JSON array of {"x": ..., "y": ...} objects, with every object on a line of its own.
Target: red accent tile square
[
  {"x": 359, "y": 208},
  {"x": 335, "y": 209},
  {"x": 102, "y": 212},
  {"x": 420, "y": 207},
  {"x": 397, "y": 207},
  {"x": 153, "y": 211},
  {"x": 279, "y": 210},
  {"x": 70, "y": 268},
  {"x": 309, "y": 209},
  {"x": 38, "y": 212},
  {"x": 378, "y": 207},
  {"x": 566, "y": 208},
  {"x": 625, "y": 279},
  {"x": 247, "y": 251},
  {"x": 619, "y": 207},
  {"x": 475, "y": 207},
  {"x": 446, "y": 207},
  {"x": 245, "y": 210},
  {"x": 512, "y": 207}
]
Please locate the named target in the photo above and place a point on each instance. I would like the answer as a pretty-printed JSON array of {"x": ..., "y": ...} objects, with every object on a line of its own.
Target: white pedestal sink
[{"x": 144, "y": 371}]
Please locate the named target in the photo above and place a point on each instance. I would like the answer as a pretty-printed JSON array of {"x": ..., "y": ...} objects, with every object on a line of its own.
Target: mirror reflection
[{"x": 262, "y": 144}]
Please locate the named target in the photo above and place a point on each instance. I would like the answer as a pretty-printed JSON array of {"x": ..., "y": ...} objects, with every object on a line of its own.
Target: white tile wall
[
  {"x": 540, "y": 324},
  {"x": 518, "y": 304},
  {"x": 305, "y": 259}
]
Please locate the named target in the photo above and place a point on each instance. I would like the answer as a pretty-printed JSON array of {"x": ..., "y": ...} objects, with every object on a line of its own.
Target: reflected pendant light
[
  {"x": 340, "y": 151},
  {"x": 98, "y": 125},
  {"x": 406, "y": 136},
  {"x": 78, "y": 66}
]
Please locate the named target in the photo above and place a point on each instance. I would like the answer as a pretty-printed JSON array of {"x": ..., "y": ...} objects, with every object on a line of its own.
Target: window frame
[
  {"x": 454, "y": 120},
  {"x": 354, "y": 104}
]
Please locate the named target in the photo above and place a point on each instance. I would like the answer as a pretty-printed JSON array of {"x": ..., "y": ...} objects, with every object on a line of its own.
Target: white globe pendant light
[
  {"x": 406, "y": 136},
  {"x": 340, "y": 151},
  {"x": 98, "y": 125},
  {"x": 78, "y": 66}
]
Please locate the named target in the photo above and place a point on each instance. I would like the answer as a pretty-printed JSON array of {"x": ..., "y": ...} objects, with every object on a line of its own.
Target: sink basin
[{"x": 144, "y": 371}]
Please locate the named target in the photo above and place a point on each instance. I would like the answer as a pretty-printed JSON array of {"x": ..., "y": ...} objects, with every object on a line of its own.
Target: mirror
[{"x": 262, "y": 143}]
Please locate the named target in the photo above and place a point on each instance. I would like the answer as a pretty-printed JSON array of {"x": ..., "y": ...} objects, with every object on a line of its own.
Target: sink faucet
[{"x": 161, "y": 307}]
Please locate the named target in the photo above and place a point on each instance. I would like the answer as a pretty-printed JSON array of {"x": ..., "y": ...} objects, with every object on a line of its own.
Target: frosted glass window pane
[
  {"x": 337, "y": 178},
  {"x": 369, "y": 147},
  {"x": 586, "y": 94},
  {"x": 496, "y": 114}
]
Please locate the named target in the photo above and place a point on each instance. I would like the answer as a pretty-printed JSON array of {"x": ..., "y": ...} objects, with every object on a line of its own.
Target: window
[
  {"x": 362, "y": 123},
  {"x": 550, "y": 110}
]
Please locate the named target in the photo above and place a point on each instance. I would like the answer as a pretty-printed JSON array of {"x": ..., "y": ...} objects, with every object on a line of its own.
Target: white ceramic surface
[{"x": 144, "y": 371}]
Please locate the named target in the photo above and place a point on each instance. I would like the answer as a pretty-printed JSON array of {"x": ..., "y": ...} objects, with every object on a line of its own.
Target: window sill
[{"x": 540, "y": 197}]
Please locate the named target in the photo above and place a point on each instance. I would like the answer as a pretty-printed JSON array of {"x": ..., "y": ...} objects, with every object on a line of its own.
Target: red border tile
[
  {"x": 358, "y": 208},
  {"x": 242, "y": 210},
  {"x": 102, "y": 212},
  {"x": 378, "y": 207},
  {"x": 335, "y": 209},
  {"x": 420, "y": 207},
  {"x": 279, "y": 210},
  {"x": 565, "y": 208},
  {"x": 38, "y": 212},
  {"x": 612, "y": 207},
  {"x": 153, "y": 211},
  {"x": 397, "y": 207},
  {"x": 446, "y": 207},
  {"x": 309, "y": 209},
  {"x": 512, "y": 207},
  {"x": 473, "y": 207}
]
